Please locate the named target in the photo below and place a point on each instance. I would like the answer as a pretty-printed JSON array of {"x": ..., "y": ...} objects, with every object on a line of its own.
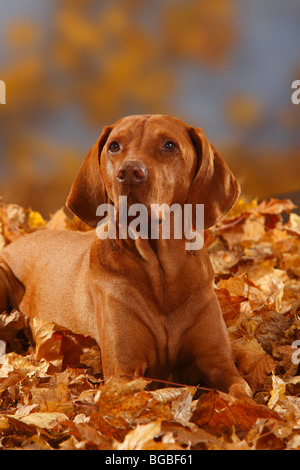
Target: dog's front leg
[
  {"x": 126, "y": 345},
  {"x": 209, "y": 349}
]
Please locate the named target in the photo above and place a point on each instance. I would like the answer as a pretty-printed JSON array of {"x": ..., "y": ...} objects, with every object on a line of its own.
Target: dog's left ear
[
  {"x": 213, "y": 184},
  {"x": 88, "y": 189}
]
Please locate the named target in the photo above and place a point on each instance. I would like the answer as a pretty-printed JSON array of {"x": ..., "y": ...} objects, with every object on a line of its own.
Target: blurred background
[{"x": 72, "y": 66}]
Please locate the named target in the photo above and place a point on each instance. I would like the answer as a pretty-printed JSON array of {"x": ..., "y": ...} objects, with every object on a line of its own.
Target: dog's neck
[
  {"x": 163, "y": 261},
  {"x": 162, "y": 244}
]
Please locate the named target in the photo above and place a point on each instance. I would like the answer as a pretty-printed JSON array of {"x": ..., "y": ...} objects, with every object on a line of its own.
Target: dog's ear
[
  {"x": 213, "y": 184},
  {"x": 88, "y": 188}
]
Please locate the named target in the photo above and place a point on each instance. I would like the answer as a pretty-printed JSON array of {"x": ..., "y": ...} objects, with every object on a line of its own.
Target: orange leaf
[{"x": 217, "y": 413}]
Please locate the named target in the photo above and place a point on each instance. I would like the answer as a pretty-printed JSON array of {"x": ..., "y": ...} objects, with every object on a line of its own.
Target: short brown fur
[{"x": 150, "y": 304}]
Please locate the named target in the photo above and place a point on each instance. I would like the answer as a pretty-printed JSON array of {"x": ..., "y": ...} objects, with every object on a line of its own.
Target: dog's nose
[{"x": 132, "y": 172}]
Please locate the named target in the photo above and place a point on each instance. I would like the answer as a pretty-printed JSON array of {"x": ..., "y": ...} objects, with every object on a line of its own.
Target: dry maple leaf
[
  {"x": 276, "y": 206},
  {"x": 218, "y": 413},
  {"x": 278, "y": 390},
  {"x": 254, "y": 364},
  {"x": 11, "y": 323},
  {"x": 61, "y": 347},
  {"x": 141, "y": 437}
]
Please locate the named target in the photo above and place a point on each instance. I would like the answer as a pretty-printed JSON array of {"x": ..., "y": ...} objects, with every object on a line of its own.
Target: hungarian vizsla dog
[{"x": 149, "y": 303}]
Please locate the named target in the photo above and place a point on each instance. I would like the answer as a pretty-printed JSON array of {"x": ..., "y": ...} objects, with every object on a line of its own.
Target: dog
[{"x": 148, "y": 302}]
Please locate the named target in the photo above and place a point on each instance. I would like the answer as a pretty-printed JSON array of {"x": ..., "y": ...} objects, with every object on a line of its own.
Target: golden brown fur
[{"x": 150, "y": 304}]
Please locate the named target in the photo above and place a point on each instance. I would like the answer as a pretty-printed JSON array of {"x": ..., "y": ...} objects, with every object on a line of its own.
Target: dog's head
[{"x": 153, "y": 159}]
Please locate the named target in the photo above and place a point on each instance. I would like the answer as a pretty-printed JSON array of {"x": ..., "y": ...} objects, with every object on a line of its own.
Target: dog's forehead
[
  {"x": 149, "y": 124},
  {"x": 129, "y": 125}
]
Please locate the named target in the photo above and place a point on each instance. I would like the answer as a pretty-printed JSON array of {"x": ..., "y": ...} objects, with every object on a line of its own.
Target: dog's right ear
[
  {"x": 88, "y": 188},
  {"x": 213, "y": 184}
]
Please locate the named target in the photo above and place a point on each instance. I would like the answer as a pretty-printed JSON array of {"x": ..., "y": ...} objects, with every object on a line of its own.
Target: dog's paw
[{"x": 240, "y": 390}]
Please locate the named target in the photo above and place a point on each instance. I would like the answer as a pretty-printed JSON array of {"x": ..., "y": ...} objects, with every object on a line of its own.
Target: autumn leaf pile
[{"x": 51, "y": 391}]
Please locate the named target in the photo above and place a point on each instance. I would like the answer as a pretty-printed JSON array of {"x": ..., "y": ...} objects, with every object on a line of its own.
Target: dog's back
[{"x": 46, "y": 260}]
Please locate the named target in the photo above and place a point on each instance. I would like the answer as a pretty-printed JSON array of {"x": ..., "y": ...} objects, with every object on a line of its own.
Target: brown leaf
[
  {"x": 276, "y": 206},
  {"x": 10, "y": 324},
  {"x": 61, "y": 347},
  {"x": 217, "y": 413},
  {"x": 272, "y": 330},
  {"x": 118, "y": 405},
  {"x": 88, "y": 436},
  {"x": 188, "y": 436},
  {"x": 52, "y": 399},
  {"x": 254, "y": 364}
]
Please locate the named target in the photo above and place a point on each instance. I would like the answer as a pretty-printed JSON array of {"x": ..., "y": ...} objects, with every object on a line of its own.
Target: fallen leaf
[
  {"x": 61, "y": 347},
  {"x": 293, "y": 225},
  {"x": 254, "y": 364},
  {"x": 140, "y": 437},
  {"x": 278, "y": 391},
  {"x": 11, "y": 324},
  {"x": 275, "y": 206},
  {"x": 47, "y": 420},
  {"x": 56, "y": 398},
  {"x": 217, "y": 413},
  {"x": 35, "y": 220}
]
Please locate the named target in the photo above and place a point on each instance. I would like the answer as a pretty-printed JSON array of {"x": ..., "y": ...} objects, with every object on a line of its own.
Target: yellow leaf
[
  {"x": 35, "y": 220},
  {"x": 241, "y": 207},
  {"x": 4, "y": 424},
  {"x": 139, "y": 437},
  {"x": 236, "y": 286},
  {"x": 277, "y": 391},
  {"x": 44, "y": 420}
]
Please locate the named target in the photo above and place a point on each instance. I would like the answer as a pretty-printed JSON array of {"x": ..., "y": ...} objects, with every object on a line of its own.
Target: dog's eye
[
  {"x": 114, "y": 147},
  {"x": 170, "y": 146}
]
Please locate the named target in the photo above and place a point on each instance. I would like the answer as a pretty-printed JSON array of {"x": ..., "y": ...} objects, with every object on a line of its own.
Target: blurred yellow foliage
[
  {"x": 205, "y": 31},
  {"x": 22, "y": 34},
  {"x": 242, "y": 110},
  {"x": 103, "y": 60},
  {"x": 241, "y": 207},
  {"x": 114, "y": 64}
]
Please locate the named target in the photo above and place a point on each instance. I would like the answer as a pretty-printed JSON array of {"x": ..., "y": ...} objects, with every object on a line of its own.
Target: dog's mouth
[
  {"x": 128, "y": 197},
  {"x": 131, "y": 205},
  {"x": 133, "y": 199}
]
